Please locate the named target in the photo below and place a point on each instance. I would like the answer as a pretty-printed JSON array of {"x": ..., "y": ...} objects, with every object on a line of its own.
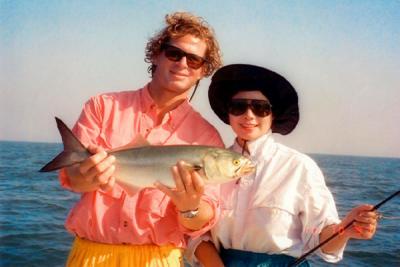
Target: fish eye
[{"x": 236, "y": 162}]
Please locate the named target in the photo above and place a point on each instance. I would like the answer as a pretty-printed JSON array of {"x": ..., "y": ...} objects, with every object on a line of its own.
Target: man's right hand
[{"x": 96, "y": 172}]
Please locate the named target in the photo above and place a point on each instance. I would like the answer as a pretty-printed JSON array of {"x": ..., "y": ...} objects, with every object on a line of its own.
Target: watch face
[{"x": 189, "y": 213}]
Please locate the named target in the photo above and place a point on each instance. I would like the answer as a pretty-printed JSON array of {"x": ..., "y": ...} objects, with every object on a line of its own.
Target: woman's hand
[
  {"x": 364, "y": 225},
  {"x": 96, "y": 172}
]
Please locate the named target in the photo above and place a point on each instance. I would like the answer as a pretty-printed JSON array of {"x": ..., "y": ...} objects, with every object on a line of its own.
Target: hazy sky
[{"x": 343, "y": 57}]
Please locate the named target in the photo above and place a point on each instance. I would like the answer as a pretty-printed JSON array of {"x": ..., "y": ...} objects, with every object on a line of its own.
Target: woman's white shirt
[{"x": 279, "y": 209}]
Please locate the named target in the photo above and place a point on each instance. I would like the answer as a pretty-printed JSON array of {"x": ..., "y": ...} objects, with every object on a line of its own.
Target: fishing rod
[{"x": 305, "y": 255}]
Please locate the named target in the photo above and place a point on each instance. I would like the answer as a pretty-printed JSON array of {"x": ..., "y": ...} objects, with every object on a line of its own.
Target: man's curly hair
[{"x": 180, "y": 24}]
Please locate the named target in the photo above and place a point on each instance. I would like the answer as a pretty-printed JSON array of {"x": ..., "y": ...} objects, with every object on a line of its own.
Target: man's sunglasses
[
  {"x": 260, "y": 108},
  {"x": 175, "y": 54}
]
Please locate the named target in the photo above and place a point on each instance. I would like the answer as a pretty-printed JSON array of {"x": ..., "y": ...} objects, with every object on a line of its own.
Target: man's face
[{"x": 176, "y": 76}]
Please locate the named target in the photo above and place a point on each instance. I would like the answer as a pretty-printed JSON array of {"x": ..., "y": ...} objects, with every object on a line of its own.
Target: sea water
[{"x": 33, "y": 206}]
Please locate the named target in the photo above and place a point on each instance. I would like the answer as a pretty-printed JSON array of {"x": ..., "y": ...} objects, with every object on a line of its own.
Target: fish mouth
[{"x": 247, "y": 169}]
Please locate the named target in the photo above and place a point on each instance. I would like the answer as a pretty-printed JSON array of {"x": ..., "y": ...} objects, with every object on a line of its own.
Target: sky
[{"x": 343, "y": 58}]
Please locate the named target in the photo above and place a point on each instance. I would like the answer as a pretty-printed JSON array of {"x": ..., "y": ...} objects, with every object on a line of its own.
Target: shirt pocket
[
  {"x": 274, "y": 216},
  {"x": 113, "y": 136}
]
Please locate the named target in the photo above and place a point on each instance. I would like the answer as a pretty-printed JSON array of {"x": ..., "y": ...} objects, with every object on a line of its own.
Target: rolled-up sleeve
[
  {"x": 211, "y": 197},
  {"x": 86, "y": 129},
  {"x": 64, "y": 180},
  {"x": 319, "y": 212}
]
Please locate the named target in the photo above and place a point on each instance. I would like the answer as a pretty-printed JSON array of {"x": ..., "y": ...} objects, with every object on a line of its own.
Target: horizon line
[{"x": 307, "y": 153}]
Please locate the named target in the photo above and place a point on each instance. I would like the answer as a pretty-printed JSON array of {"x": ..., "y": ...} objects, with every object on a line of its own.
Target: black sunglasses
[
  {"x": 175, "y": 54},
  {"x": 260, "y": 108}
]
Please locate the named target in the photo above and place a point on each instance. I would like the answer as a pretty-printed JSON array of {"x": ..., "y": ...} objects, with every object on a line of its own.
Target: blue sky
[{"x": 343, "y": 57}]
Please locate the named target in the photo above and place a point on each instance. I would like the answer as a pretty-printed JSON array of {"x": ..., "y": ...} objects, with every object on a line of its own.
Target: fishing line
[
  {"x": 304, "y": 256},
  {"x": 390, "y": 218},
  {"x": 244, "y": 146},
  {"x": 194, "y": 91}
]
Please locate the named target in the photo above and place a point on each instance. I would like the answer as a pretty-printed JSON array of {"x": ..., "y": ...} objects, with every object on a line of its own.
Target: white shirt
[{"x": 279, "y": 209}]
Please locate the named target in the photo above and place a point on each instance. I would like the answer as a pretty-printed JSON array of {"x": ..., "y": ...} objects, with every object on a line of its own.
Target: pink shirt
[{"x": 148, "y": 217}]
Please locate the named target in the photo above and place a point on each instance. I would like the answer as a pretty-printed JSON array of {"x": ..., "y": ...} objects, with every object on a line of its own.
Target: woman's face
[{"x": 249, "y": 126}]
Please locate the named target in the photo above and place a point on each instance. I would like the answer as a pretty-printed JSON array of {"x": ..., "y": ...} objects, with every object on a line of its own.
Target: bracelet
[{"x": 189, "y": 213}]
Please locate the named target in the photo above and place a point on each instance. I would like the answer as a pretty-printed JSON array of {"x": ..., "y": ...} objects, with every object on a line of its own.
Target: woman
[{"x": 284, "y": 209}]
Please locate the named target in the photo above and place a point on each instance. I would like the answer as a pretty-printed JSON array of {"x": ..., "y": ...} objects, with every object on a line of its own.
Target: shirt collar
[
  {"x": 173, "y": 116},
  {"x": 145, "y": 100},
  {"x": 262, "y": 146}
]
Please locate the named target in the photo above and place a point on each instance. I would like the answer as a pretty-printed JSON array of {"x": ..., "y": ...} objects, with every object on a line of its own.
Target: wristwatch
[{"x": 189, "y": 213}]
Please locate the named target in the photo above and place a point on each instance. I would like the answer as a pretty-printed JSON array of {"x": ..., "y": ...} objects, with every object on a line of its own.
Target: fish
[{"x": 141, "y": 165}]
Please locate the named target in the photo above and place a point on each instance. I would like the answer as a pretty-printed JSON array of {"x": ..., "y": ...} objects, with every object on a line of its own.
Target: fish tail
[{"x": 74, "y": 151}]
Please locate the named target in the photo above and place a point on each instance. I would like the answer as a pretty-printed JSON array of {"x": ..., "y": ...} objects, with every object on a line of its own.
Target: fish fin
[
  {"x": 74, "y": 151},
  {"x": 200, "y": 170},
  {"x": 192, "y": 167},
  {"x": 138, "y": 141},
  {"x": 197, "y": 167}
]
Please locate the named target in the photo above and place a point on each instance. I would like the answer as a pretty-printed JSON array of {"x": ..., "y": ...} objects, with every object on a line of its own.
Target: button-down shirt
[
  {"x": 148, "y": 217},
  {"x": 281, "y": 208}
]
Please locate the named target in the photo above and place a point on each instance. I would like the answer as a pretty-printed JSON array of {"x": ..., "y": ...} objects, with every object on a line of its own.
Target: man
[{"x": 150, "y": 226}]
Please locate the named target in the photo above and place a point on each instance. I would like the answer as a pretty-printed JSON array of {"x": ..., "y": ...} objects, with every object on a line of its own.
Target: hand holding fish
[
  {"x": 365, "y": 222},
  {"x": 187, "y": 195},
  {"x": 189, "y": 188},
  {"x": 95, "y": 172}
]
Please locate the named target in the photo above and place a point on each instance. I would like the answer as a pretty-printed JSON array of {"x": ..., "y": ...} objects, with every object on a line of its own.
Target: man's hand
[
  {"x": 96, "y": 172},
  {"x": 187, "y": 196},
  {"x": 189, "y": 188}
]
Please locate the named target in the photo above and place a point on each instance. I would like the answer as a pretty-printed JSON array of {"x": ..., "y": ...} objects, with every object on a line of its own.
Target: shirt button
[
  {"x": 147, "y": 130},
  {"x": 125, "y": 224}
]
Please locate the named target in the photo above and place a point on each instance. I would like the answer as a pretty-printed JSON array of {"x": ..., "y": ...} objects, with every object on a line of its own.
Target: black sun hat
[{"x": 230, "y": 79}]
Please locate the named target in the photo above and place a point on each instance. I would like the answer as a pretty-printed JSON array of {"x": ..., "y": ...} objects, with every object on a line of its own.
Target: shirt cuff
[
  {"x": 338, "y": 255},
  {"x": 215, "y": 205},
  {"x": 192, "y": 245},
  {"x": 115, "y": 192},
  {"x": 64, "y": 179}
]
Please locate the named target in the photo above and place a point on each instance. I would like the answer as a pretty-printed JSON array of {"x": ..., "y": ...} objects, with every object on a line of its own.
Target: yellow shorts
[{"x": 86, "y": 253}]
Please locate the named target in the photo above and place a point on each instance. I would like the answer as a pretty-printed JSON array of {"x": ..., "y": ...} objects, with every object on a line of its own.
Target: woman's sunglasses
[
  {"x": 260, "y": 108},
  {"x": 175, "y": 54}
]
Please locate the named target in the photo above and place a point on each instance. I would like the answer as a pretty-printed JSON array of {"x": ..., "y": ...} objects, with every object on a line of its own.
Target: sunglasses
[
  {"x": 175, "y": 54},
  {"x": 260, "y": 108}
]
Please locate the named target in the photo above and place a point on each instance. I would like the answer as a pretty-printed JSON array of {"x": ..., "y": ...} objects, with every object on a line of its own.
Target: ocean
[{"x": 33, "y": 207}]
